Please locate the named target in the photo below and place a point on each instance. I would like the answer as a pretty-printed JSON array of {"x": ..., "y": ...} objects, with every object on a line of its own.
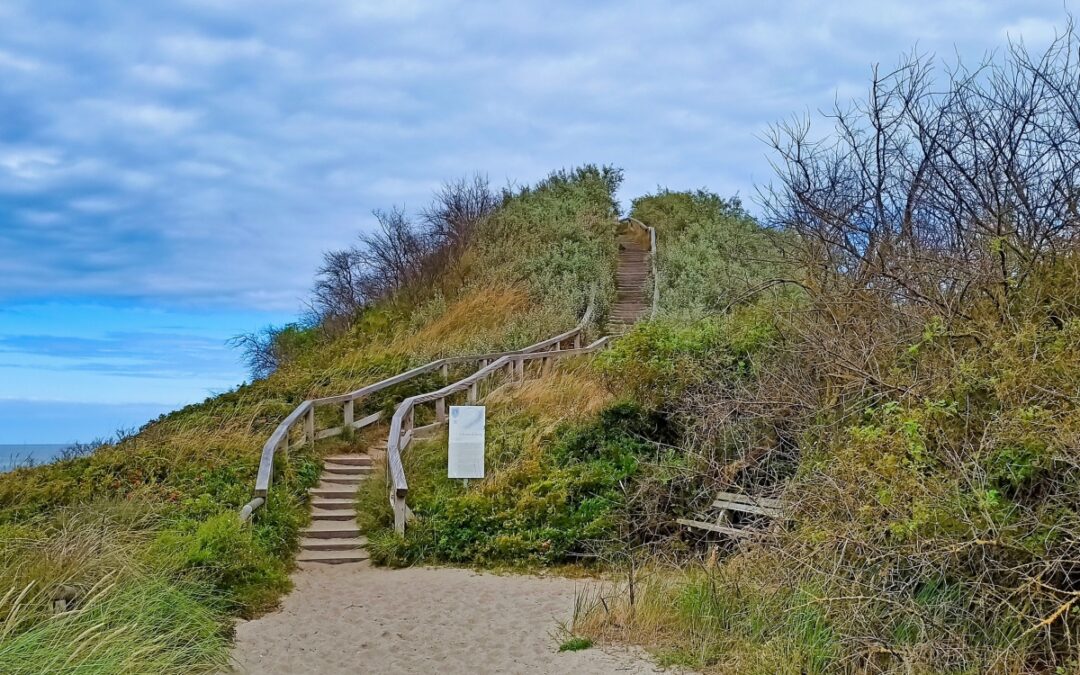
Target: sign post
[{"x": 466, "y": 452}]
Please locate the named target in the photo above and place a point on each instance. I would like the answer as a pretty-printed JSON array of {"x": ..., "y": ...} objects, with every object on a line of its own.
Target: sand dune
[{"x": 361, "y": 619}]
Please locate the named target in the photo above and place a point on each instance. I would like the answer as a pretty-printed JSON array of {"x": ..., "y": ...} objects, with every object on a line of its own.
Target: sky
[{"x": 171, "y": 171}]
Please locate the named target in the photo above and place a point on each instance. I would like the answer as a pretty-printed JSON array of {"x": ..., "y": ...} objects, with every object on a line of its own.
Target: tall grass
[{"x": 137, "y": 624}]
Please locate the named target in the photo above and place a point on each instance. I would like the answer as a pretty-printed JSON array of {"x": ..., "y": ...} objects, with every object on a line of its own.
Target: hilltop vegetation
[
  {"x": 143, "y": 534},
  {"x": 904, "y": 376}
]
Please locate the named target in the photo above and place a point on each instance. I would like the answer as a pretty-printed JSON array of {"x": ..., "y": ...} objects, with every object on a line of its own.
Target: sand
[{"x": 361, "y": 619}]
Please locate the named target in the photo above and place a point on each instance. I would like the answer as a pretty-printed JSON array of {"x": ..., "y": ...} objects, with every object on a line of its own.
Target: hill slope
[{"x": 142, "y": 535}]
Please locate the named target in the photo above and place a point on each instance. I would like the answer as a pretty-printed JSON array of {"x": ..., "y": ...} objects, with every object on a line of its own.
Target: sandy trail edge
[{"x": 362, "y": 619}]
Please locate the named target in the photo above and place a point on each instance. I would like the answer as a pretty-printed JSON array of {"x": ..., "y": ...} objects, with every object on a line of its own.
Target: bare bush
[
  {"x": 259, "y": 350},
  {"x": 399, "y": 254},
  {"x": 932, "y": 195},
  {"x": 458, "y": 207}
]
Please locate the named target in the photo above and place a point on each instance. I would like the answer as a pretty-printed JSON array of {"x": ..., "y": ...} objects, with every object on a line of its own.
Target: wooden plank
[
  {"x": 327, "y": 433},
  {"x": 365, "y": 421},
  {"x": 749, "y": 499},
  {"x": 712, "y": 527},
  {"x": 426, "y": 431},
  {"x": 747, "y": 508}
]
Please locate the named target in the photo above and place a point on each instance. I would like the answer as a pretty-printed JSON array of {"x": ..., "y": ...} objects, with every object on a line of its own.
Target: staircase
[
  {"x": 631, "y": 303},
  {"x": 333, "y": 536}
]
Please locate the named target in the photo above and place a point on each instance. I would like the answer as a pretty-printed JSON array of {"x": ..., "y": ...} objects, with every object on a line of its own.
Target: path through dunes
[
  {"x": 362, "y": 619},
  {"x": 631, "y": 303}
]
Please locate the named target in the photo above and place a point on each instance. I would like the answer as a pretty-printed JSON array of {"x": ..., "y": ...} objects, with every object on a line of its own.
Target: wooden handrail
[
  {"x": 402, "y": 430},
  {"x": 652, "y": 258},
  {"x": 279, "y": 439}
]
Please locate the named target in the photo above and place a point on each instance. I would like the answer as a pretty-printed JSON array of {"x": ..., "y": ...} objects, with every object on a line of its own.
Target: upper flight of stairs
[
  {"x": 333, "y": 536},
  {"x": 633, "y": 277}
]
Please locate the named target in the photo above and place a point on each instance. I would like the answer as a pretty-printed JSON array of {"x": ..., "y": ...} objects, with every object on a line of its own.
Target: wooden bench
[{"x": 728, "y": 502}]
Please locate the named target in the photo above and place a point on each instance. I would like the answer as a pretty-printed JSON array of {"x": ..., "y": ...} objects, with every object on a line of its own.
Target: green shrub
[
  {"x": 711, "y": 253},
  {"x": 539, "y": 507}
]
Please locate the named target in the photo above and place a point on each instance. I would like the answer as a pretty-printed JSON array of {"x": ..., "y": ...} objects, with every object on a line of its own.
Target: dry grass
[
  {"x": 571, "y": 392},
  {"x": 480, "y": 316}
]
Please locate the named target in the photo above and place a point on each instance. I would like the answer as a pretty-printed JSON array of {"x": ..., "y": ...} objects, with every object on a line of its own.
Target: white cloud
[
  {"x": 159, "y": 75},
  {"x": 212, "y": 51},
  {"x": 149, "y": 116},
  {"x": 29, "y": 164},
  {"x": 1032, "y": 31},
  {"x": 18, "y": 63}
]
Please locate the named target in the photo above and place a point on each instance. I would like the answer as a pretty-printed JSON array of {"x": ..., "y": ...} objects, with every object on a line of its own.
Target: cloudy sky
[{"x": 171, "y": 171}]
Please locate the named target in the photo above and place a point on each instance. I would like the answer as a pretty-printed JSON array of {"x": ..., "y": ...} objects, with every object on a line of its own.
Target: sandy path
[{"x": 362, "y": 619}]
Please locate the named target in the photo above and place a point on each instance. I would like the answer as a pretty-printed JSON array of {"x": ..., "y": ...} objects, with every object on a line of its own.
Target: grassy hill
[{"x": 143, "y": 534}]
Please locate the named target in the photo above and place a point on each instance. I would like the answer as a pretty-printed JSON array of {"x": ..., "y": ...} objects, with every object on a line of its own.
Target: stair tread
[
  {"x": 332, "y": 543},
  {"x": 337, "y": 492},
  {"x": 333, "y": 514},
  {"x": 331, "y": 503},
  {"x": 332, "y": 556}
]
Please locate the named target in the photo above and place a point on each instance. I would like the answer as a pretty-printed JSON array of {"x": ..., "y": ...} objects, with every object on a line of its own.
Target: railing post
[
  {"x": 577, "y": 341},
  {"x": 444, "y": 370},
  {"x": 440, "y": 410},
  {"x": 473, "y": 391},
  {"x": 519, "y": 366},
  {"x": 399, "y": 512},
  {"x": 348, "y": 414},
  {"x": 309, "y": 426}
]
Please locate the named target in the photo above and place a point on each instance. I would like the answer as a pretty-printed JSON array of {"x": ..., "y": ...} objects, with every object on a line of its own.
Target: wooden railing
[
  {"x": 304, "y": 414},
  {"x": 509, "y": 367},
  {"x": 652, "y": 258}
]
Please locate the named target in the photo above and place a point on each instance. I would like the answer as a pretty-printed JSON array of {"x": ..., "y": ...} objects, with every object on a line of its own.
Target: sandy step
[
  {"x": 347, "y": 469},
  {"x": 338, "y": 479},
  {"x": 333, "y": 514},
  {"x": 332, "y": 557},
  {"x": 329, "y": 529},
  {"x": 351, "y": 460},
  {"x": 332, "y": 504},
  {"x": 333, "y": 492},
  {"x": 329, "y": 544}
]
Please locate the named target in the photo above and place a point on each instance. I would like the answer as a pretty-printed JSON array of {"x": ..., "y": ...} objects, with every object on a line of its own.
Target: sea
[{"x": 12, "y": 456}]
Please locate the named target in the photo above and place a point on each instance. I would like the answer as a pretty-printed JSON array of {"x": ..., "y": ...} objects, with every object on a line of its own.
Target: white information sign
[{"x": 466, "y": 441}]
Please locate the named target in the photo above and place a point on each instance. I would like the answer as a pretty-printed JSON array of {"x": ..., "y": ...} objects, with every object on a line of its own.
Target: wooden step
[
  {"x": 332, "y": 557},
  {"x": 332, "y": 504},
  {"x": 328, "y": 529},
  {"x": 333, "y": 514},
  {"x": 351, "y": 460},
  {"x": 338, "y": 479},
  {"x": 347, "y": 469},
  {"x": 335, "y": 492},
  {"x": 328, "y": 544}
]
